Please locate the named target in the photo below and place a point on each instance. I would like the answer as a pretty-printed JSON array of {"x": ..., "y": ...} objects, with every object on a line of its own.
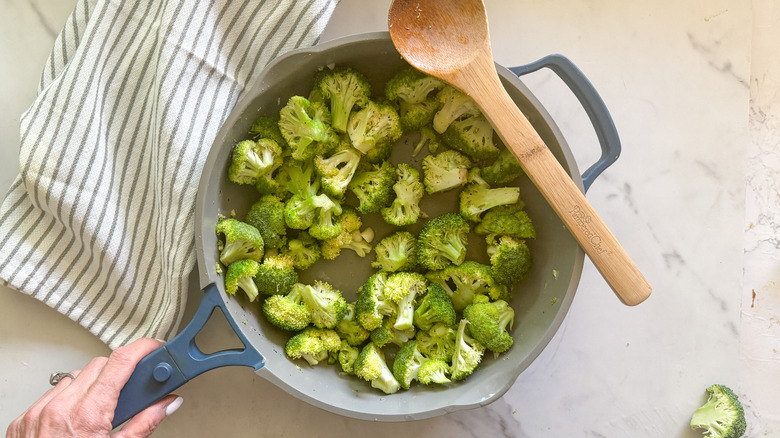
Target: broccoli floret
[
  {"x": 454, "y": 105},
  {"x": 722, "y": 416},
  {"x": 473, "y": 136},
  {"x": 373, "y": 187},
  {"x": 503, "y": 170},
  {"x": 376, "y": 125},
  {"x": 306, "y": 127},
  {"x": 349, "y": 329},
  {"x": 427, "y": 137},
  {"x": 462, "y": 283},
  {"x": 312, "y": 344},
  {"x": 288, "y": 312},
  {"x": 268, "y": 127},
  {"x": 476, "y": 199},
  {"x": 371, "y": 366},
  {"x": 509, "y": 220},
  {"x": 403, "y": 288},
  {"x": 241, "y": 241},
  {"x": 372, "y": 306},
  {"x": 444, "y": 171},
  {"x": 299, "y": 178},
  {"x": 434, "y": 307},
  {"x": 434, "y": 371},
  {"x": 442, "y": 242},
  {"x": 325, "y": 226},
  {"x": 303, "y": 249},
  {"x": 510, "y": 258},
  {"x": 407, "y": 363},
  {"x": 396, "y": 252},
  {"x": 276, "y": 275},
  {"x": 327, "y": 305},
  {"x": 467, "y": 353},
  {"x": 345, "y": 89},
  {"x": 405, "y": 208},
  {"x": 438, "y": 342},
  {"x": 386, "y": 333},
  {"x": 337, "y": 171},
  {"x": 475, "y": 177},
  {"x": 415, "y": 92},
  {"x": 350, "y": 237},
  {"x": 301, "y": 210},
  {"x": 239, "y": 275},
  {"x": 488, "y": 321},
  {"x": 346, "y": 357},
  {"x": 267, "y": 215},
  {"x": 251, "y": 160}
]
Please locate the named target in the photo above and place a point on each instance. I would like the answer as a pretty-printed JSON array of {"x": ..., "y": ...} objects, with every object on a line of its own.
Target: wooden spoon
[{"x": 449, "y": 39}]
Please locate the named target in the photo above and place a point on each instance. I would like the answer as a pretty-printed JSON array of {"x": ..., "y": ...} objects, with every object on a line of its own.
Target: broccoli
[
  {"x": 267, "y": 215},
  {"x": 325, "y": 226},
  {"x": 346, "y": 357},
  {"x": 434, "y": 371},
  {"x": 442, "y": 241},
  {"x": 476, "y": 199},
  {"x": 407, "y": 363},
  {"x": 288, "y": 312},
  {"x": 239, "y": 275},
  {"x": 299, "y": 178},
  {"x": 508, "y": 220},
  {"x": 467, "y": 353},
  {"x": 350, "y": 237},
  {"x": 454, "y": 105},
  {"x": 337, "y": 170},
  {"x": 488, "y": 321},
  {"x": 475, "y": 177},
  {"x": 386, "y": 333},
  {"x": 252, "y": 160},
  {"x": 403, "y": 288},
  {"x": 722, "y": 415},
  {"x": 327, "y": 305},
  {"x": 345, "y": 89},
  {"x": 510, "y": 258},
  {"x": 462, "y": 283},
  {"x": 349, "y": 329},
  {"x": 303, "y": 249},
  {"x": 473, "y": 136},
  {"x": 268, "y": 127},
  {"x": 427, "y": 137},
  {"x": 374, "y": 126},
  {"x": 372, "y": 306},
  {"x": 444, "y": 171},
  {"x": 503, "y": 170},
  {"x": 371, "y": 366},
  {"x": 396, "y": 252},
  {"x": 276, "y": 275},
  {"x": 373, "y": 187},
  {"x": 434, "y": 307},
  {"x": 306, "y": 127},
  {"x": 300, "y": 211},
  {"x": 242, "y": 241},
  {"x": 415, "y": 93},
  {"x": 438, "y": 342},
  {"x": 405, "y": 208},
  {"x": 312, "y": 344}
]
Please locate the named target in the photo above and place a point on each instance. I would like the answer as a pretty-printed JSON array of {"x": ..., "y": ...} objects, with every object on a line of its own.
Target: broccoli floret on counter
[
  {"x": 306, "y": 127},
  {"x": 268, "y": 127},
  {"x": 349, "y": 329},
  {"x": 476, "y": 199},
  {"x": 276, "y": 275},
  {"x": 434, "y": 371},
  {"x": 503, "y": 170},
  {"x": 239, "y": 276},
  {"x": 510, "y": 258},
  {"x": 387, "y": 334},
  {"x": 345, "y": 90},
  {"x": 371, "y": 366},
  {"x": 372, "y": 305},
  {"x": 337, "y": 170},
  {"x": 467, "y": 353},
  {"x": 251, "y": 160},
  {"x": 241, "y": 241},
  {"x": 454, "y": 105},
  {"x": 312, "y": 344},
  {"x": 438, "y": 342},
  {"x": 350, "y": 237},
  {"x": 488, "y": 321},
  {"x": 304, "y": 250},
  {"x": 473, "y": 136},
  {"x": 444, "y": 171},
  {"x": 428, "y": 137},
  {"x": 403, "y": 288},
  {"x": 288, "y": 312},
  {"x": 463, "y": 283},
  {"x": 375, "y": 126},
  {"x": 405, "y": 208},
  {"x": 722, "y": 416},
  {"x": 407, "y": 363},
  {"x": 267, "y": 215},
  {"x": 396, "y": 252},
  {"x": 434, "y": 307},
  {"x": 442, "y": 241},
  {"x": 507, "y": 220},
  {"x": 373, "y": 187},
  {"x": 415, "y": 93},
  {"x": 327, "y": 305}
]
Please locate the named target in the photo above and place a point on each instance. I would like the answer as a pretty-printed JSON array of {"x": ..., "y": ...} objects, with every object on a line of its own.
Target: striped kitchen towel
[{"x": 99, "y": 223}]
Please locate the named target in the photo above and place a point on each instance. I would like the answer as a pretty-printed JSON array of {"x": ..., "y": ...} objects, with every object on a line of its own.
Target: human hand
[{"x": 84, "y": 406}]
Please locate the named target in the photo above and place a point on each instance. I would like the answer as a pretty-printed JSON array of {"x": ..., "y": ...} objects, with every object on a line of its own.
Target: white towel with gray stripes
[{"x": 99, "y": 223}]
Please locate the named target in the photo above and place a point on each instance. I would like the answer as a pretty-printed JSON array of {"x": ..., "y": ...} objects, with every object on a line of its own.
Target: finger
[
  {"x": 146, "y": 421},
  {"x": 28, "y": 420},
  {"x": 120, "y": 365},
  {"x": 86, "y": 377}
]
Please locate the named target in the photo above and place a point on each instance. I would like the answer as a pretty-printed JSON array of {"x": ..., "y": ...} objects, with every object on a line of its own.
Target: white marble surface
[{"x": 693, "y": 88}]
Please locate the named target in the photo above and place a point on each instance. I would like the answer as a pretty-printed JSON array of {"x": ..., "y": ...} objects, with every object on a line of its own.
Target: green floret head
[
  {"x": 434, "y": 371},
  {"x": 306, "y": 127},
  {"x": 288, "y": 312},
  {"x": 503, "y": 170},
  {"x": 387, "y": 333},
  {"x": 300, "y": 211},
  {"x": 337, "y": 170},
  {"x": 268, "y": 127},
  {"x": 346, "y": 90},
  {"x": 442, "y": 241},
  {"x": 465, "y": 282},
  {"x": 434, "y": 307},
  {"x": 415, "y": 93},
  {"x": 428, "y": 137},
  {"x": 350, "y": 237},
  {"x": 473, "y": 136},
  {"x": 346, "y": 356},
  {"x": 476, "y": 199},
  {"x": 403, "y": 288},
  {"x": 467, "y": 353},
  {"x": 325, "y": 225},
  {"x": 251, "y": 160},
  {"x": 371, "y": 366},
  {"x": 407, "y": 363},
  {"x": 405, "y": 208},
  {"x": 372, "y": 306},
  {"x": 722, "y": 416},
  {"x": 396, "y": 252},
  {"x": 327, "y": 305},
  {"x": 488, "y": 322},
  {"x": 507, "y": 220},
  {"x": 373, "y": 187},
  {"x": 444, "y": 171},
  {"x": 438, "y": 342},
  {"x": 303, "y": 249},
  {"x": 349, "y": 329},
  {"x": 276, "y": 275},
  {"x": 312, "y": 344},
  {"x": 241, "y": 241},
  {"x": 454, "y": 105},
  {"x": 376, "y": 125},
  {"x": 299, "y": 178},
  {"x": 267, "y": 215},
  {"x": 510, "y": 258},
  {"x": 239, "y": 276}
]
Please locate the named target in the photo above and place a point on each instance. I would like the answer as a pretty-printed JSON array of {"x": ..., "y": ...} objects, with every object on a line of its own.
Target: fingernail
[{"x": 171, "y": 408}]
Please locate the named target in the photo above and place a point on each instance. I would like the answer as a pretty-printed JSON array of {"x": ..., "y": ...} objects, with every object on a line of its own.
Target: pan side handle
[{"x": 180, "y": 360}]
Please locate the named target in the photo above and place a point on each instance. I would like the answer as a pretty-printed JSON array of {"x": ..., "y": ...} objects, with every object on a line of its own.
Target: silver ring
[{"x": 56, "y": 378}]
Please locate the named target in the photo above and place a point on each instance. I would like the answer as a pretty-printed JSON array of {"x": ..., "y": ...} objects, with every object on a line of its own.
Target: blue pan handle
[
  {"x": 180, "y": 360},
  {"x": 594, "y": 107}
]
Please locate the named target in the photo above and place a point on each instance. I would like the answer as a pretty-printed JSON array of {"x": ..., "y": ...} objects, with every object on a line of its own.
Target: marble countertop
[{"x": 694, "y": 91}]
